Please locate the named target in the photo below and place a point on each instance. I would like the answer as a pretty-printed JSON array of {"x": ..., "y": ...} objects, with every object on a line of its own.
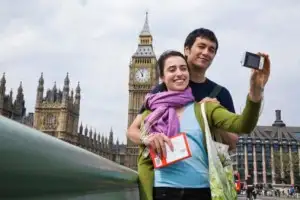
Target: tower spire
[
  {"x": 2, "y": 85},
  {"x": 40, "y": 90},
  {"x": 146, "y": 30},
  {"x": 20, "y": 95}
]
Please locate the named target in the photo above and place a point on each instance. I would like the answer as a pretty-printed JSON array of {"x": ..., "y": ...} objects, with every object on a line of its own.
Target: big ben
[{"x": 143, "y": 75}]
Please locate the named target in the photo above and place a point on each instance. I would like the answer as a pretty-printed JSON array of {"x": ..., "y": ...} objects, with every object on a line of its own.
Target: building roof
[
  {"x": 278, "y": 131},
  {"x": 144, "y": 51},
  {"x": 273, "y": 132}
]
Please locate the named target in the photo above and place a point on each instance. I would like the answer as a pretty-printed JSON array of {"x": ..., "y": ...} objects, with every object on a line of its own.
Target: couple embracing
[{"x": 172, "y": 108}]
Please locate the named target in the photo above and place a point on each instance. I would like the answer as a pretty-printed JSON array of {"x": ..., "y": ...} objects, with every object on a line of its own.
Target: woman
[{"x": 174, "y": 111}]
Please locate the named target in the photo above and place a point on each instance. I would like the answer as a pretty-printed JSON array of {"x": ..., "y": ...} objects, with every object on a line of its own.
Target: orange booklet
[{"x": 181, "y": 151}]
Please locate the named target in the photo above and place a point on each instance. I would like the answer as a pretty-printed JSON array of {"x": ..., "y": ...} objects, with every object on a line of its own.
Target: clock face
[{"x": 142, "y": 75}]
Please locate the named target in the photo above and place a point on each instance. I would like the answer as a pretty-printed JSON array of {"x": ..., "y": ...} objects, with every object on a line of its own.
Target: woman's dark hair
[{"x": 164, "y": 56}]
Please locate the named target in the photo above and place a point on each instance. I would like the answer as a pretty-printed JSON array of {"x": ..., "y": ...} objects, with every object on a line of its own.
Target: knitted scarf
[{"x": 163, "y": 118}]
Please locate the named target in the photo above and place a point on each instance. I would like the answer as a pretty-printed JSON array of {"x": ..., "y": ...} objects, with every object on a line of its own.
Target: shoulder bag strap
[
  {"x": 197, "y": 109},
  {"x": 214, "y": 93}
]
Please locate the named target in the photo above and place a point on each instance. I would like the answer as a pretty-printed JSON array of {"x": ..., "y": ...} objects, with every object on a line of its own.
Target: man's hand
[
  {"x": 158, "y": 142},
  {"x": 230, "y": 139},
  {"x": 208, "y": 99}
]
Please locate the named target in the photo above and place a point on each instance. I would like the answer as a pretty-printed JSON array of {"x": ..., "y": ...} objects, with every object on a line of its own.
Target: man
[{"x": 200, "y": 48}]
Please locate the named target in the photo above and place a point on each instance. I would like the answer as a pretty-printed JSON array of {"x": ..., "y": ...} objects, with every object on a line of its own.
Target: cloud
[{"x": 94, "y": 41}]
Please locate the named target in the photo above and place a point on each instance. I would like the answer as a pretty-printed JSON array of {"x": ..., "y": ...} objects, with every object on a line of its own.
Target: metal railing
[{"x": 34, "y": 165}]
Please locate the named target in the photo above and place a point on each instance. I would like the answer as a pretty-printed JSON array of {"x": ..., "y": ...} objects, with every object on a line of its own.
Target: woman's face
[{"x": 176, "y": 75}]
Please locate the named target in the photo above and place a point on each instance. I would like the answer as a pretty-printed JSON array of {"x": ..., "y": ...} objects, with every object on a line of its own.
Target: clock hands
[{"x": 142, "y": 74}]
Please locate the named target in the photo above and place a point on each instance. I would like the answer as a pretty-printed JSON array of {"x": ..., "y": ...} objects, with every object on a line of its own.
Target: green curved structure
[{"x": 34, "y": 165}]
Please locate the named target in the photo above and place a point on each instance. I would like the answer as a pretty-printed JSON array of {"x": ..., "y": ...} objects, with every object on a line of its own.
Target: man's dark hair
[
  {"x": 203, "y": 33},
  {"x": 164, "y": 56}
]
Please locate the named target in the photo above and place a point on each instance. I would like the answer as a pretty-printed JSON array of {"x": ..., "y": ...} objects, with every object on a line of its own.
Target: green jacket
[{"x": 218, "y": 118}]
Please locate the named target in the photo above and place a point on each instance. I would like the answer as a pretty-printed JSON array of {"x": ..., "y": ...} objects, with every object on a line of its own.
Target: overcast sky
[{"x": 94, "y": 40}]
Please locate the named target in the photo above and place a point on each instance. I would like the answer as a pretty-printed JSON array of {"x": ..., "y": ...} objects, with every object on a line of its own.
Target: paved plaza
[{"x": 243, "y": 197}]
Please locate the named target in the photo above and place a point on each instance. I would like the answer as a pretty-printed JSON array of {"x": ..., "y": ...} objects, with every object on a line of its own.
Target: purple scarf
[{"x": 163, "y": 118}]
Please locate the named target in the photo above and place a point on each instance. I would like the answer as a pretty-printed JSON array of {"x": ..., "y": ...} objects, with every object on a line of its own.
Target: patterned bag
[{"x": 220, "y": 166}]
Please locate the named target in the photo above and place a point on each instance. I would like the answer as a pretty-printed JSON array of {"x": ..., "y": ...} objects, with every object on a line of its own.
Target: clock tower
[{"x": 143, "y": 76}]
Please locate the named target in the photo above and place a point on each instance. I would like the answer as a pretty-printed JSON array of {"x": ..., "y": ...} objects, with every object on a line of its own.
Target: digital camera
[{"x": 253, "y": 61}]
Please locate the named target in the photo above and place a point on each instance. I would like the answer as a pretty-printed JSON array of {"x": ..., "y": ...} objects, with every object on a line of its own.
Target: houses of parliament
[
  {"x": 57, "y": 110},
  {"x": 57, "y": 114}
]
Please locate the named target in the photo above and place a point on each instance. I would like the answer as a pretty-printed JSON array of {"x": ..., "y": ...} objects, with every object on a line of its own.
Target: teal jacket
[{"x": 218, "y": 117}]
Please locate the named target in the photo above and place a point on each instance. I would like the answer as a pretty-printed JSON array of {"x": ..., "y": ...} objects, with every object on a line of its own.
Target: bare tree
[{"x": 284, "y": 165}]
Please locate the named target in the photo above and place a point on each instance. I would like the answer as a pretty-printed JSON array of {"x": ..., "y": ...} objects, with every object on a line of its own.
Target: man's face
[{"x": 201, "y": 54}]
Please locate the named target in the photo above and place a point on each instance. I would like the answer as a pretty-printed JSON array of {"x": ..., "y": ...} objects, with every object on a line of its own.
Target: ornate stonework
[
  {"x": 57, "y": 113},
  {"x": 13, "y": 109},
  {"x": 143, "y": 76}
]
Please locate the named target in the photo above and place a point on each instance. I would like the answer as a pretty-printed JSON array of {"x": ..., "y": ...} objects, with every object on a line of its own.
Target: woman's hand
[
  {"x": 208, "y": 99},
  {"x": 158, "y": 142},
  {"x": 259, "y": 79}
]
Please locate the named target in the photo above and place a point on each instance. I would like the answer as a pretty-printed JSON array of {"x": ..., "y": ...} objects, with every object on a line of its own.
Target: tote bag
[{"x": 220, "y": 166}]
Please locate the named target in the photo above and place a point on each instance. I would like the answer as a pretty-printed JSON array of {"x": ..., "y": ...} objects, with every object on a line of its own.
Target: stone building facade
[
  {"x": 13, "y": 109},
  {"x": 143, "y": 76},
  {"x": 270, "y": 154},
  {"x": 57, "y": 114}
]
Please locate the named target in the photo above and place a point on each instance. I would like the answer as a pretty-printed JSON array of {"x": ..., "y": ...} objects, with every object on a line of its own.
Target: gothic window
[
  {"x": 285, "y": 148},
  {"x": 50, "y": 121}
]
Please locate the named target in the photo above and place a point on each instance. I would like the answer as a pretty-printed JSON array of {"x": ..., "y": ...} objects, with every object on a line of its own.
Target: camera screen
[{"x": 253, "y": 60}]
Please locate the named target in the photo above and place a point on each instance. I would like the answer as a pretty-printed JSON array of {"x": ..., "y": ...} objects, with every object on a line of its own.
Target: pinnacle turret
[
  {"x": 20, "y": 95},
  {"x": 20, "y": 89},
  {"x": 3, "y": 80},
  {"x": 77, "y": 95},
  {"x": 41, "y": 80},
  {"x": 54, "y": 89},
  {"x": 78, "y": 88},
  {"x": 40, "y": 90},
  {"x": 2, "y": 85},
  {"x": 67, "y": 81},
  {"x": 81, "y": 129}
]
